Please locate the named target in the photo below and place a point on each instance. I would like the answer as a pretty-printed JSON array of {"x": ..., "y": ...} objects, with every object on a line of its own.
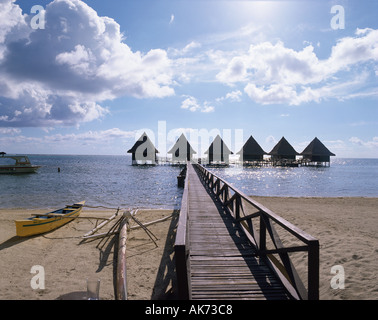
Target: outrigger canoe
[{"x": 41, "y": 223}]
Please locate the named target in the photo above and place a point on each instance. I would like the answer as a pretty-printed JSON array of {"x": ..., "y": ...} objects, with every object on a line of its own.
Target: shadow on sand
[
  {"x": 165, "y": 287},
  {"x": 14, "y": 241}
]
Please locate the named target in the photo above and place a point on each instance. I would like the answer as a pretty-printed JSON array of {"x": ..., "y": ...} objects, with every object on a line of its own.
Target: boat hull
[
  {"x": 42, "y": 224},
  {"x": 17, "y": 169}
]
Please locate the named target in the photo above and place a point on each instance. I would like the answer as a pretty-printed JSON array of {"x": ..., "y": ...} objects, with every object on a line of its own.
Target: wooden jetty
[{"x": 227, "y": 246}]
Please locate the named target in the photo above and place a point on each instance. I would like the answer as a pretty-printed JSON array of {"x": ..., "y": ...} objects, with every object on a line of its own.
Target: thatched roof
[
  {"x": 143, "y": 139},
  {"x": 251, "y": 147},
  {"x": 221, "y": 147},
  {"x": 316, "y": 148},
  {"x": 283, "y": 148},
  {"x": 182, "y": 142}
]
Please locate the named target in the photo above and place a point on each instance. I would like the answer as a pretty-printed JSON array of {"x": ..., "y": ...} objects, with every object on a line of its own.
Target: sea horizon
[{"x": 129, "y": 155}]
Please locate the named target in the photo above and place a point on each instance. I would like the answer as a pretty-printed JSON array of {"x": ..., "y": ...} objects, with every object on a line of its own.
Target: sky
[{"x": 89, "y": 77}]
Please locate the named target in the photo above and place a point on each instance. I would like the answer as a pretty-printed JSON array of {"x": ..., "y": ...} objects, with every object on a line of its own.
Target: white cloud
[
  {"x": 12, "y": 23},
  {"x": 269, "y": 64},
  {"x": 190, "y": 46},
  {"x": 110, "y": 141},
  {"x": 172, "y": 19},
  {"x": 92, "y": 136},
  {"x": 274, "y": 74},
  {"x": 185, "y": 51},
  {"x": 370, "y": 144},
  {"x": 271, "y": 139},
  {"x": 272, "y": 95},
  {"x": 64, "y": 72},
  {"x": 236, "y": 71},
  {"x": 352, "y": 50},
  {"x": 193, "y": 105},
  {"x": 207, "y": 107},
  {"x": 233, "y": 96},
  {"x": 10, "y": 131},
  {"x": 89, "y": 136},
  {"x": 78, "y": 59},
  {"x": 356, "y": 140}
]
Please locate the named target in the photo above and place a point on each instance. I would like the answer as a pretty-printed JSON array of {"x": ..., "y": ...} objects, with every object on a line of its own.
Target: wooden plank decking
[{"x": 222, "y": 263}]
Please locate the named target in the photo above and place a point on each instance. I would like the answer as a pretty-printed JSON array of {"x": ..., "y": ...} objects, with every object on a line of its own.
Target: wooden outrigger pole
[
  {"x": 121, "y": 259},
  {"x": 123, "y": 225},
  {"x": 102, "y": 224}
]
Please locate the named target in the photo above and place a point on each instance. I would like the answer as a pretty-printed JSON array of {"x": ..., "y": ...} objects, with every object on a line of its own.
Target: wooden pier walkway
[
  {"x": 223, "y": 264},
  {"x": 215, "y": 259}
]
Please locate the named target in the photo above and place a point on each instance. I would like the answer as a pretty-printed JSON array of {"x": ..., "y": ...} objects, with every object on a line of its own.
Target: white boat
[{"x": 16, "y": 164}]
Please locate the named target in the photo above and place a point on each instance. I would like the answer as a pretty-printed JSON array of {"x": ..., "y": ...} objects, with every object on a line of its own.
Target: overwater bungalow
[
  {"x": 251, "y": 152},
  {"x": 316, "y": 154},
  {"x": 283, "y": 154},
  {"x": 143, "y": 151},
  {"x": 181, "y": 151},
  {"x": 218, "y": 152}
]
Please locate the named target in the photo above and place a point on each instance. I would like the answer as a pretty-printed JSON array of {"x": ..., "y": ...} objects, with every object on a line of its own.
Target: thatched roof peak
[
  {"x": 143, "y": 139},
  {"x": 251, "y": 147},
  {"x": 182, "y": 141},
  {"x": 316, "y": 148},
  {"x": 283, "y": 148},
  {"x": 220, "y": 146}
]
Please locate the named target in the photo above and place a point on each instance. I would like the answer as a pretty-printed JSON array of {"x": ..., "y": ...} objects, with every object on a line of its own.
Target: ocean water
[
  {"x": 344, "y": 178},
  {"x": 109, "y": 181},
  {"x": 112, "y": 181}
]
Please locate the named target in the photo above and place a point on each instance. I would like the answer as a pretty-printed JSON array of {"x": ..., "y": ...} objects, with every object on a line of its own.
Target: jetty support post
[{"x": 181, "y": 178}]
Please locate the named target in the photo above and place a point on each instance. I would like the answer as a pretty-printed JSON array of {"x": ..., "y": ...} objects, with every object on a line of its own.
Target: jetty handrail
[
  {"x": 236, "y": 204},
  {"x": 182, "y": 247}
]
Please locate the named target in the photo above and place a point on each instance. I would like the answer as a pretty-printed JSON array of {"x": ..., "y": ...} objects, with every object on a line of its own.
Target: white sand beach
[{"x": 346, "y": 229}]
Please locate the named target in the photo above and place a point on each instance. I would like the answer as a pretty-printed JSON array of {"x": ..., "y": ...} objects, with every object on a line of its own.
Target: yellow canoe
[{"x": 42, "y": 223}]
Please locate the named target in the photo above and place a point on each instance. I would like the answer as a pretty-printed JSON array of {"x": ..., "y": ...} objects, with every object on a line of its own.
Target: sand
[
  {"x": 68, "y": 261},
  {"x": 346, "y": 229},
  {"x": 347, "y": 232}
]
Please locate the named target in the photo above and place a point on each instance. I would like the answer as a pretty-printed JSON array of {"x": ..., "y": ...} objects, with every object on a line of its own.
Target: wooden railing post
[
  {"x": 262, "y": 240},
  {"x": 225, "y": 193},
  {"x": 237, "y": 207},
  {"x": 313, "y": 270}
]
